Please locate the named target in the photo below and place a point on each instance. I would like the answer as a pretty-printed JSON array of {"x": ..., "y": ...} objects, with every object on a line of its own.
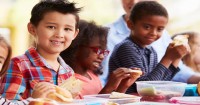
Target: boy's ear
[
  {"x": 130, "y": 24},
  {"x": 76, "y": 33},
  {"x": 31, "y": 28}
]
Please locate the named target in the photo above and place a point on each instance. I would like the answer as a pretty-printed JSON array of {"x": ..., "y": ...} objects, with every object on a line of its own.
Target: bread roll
[
  {"x": 61, "y": 95},
  {"x": 42, "y": 101}
]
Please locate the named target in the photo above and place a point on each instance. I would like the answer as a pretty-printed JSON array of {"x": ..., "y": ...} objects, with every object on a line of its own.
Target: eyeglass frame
[{"x": 99, "y": 51}]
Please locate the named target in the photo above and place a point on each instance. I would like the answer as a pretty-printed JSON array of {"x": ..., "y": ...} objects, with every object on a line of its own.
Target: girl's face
[
  {"x": 148, "y": 29},
  {"x": 3, "y": 55},
  {"x": 196, "y": 50},
  {"x": 93, "y": 55},
  {"x": 54, "y": 32}
]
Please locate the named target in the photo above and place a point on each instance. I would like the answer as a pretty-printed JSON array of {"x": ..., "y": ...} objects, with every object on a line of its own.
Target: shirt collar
[
  {"x": 34, "y": 57},
  {"x": 146, "y": 50}
]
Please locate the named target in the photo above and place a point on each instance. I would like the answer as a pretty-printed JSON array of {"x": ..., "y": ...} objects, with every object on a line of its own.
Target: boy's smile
[
  {"x": 148, "y": 29},
  {"x": 55, "y": 32}
]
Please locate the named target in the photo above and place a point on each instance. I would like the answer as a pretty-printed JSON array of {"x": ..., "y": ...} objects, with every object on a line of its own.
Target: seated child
[
  {"x": 5, "y": 56},
  {"x": 147, "y": 21},
  {"x": 53, "y": 24},
  {"x": 192, "y": 59},
  {"x": 85, "y": 56}
]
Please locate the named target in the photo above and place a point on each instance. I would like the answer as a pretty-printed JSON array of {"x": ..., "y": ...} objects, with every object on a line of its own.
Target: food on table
[
  {"x": 61, "y": 95},
  {"x": 112, "y": 103},
  {"x": 135, "y": 73},
  {"x": 42, "y": 101},
  {"x": 73, "y": 85},
  {"x": 161, "y": 94},
  {"x": 180, "y": 39},
  {"x": 117, "y": 95},
  {"x": 149, "y": 91}
]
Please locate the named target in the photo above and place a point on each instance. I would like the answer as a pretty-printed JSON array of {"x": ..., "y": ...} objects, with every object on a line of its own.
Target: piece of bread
[
  {"x": 42, "y": 101},
  {"x": 61, "y": 95},
  {"x": 135, "y": 73},
  {"x": 73, "y": 85},
  {"x": 117, "y": 95},
  {"x": 198, "y": 88},
  {"x": 180, "y": 40}
]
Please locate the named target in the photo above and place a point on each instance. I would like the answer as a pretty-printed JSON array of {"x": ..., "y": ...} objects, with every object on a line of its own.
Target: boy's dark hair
[
  {"x": 45, "y": 6},
  {"x": 147, "y": 8},
  {"x": 4, "y": 43},
  {"x": 87, "y": 32}
]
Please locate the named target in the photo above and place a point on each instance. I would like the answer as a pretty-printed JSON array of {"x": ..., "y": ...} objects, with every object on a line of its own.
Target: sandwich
[
  {"x": 180, "y": 40},
  {"x": 117, "y": 95},
  {"x": 73, "y": 85},
  {"x": 135, "y": 73}
]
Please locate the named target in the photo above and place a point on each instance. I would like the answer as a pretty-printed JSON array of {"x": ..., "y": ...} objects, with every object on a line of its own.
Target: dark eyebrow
[
  {"x": 2, "y": 58},
  {"x": 56, "y": 24}
]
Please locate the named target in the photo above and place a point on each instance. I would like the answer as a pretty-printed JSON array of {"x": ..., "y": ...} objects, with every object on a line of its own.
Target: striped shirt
[
  {"x": 4, "y": 101},
  {"x": 27, "y": 70},
  {"x": 128, "y": 54}
]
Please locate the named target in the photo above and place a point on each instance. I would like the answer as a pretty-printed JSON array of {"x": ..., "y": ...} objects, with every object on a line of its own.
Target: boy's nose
[
  {"x": 59, "y": 34},
  {"x": 153, "y": 32}
]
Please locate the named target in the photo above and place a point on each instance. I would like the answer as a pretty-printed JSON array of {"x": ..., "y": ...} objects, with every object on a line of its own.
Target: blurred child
[
  {"x": 53, "y": 25},
  {"x": 147, "y": 22},
  {"x": 85, "y": 56},
  {"x": 5, "y": 56},
  {"x": 192, "y": 59}
]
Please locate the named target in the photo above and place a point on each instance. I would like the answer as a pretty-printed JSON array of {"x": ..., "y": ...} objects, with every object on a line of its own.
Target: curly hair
[
  {"x": 147, "y": 8},
  {"x": 87, "y": 32},
  {"x": 4, "y": 43}
]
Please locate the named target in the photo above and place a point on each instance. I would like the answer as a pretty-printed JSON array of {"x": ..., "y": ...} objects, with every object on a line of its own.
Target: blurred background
[{"x": 15, "y": 14}]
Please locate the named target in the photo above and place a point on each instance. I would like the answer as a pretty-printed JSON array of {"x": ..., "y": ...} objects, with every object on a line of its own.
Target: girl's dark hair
[
  {"x": 45, "y": 6},
  {"x": 87, "y": 32},
  {"x": 147, "y": 8},
  {"x": 4, "y": 43}
]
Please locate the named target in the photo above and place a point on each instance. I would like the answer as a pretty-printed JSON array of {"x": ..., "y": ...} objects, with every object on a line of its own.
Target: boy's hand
[
  {"x": 42, "y": 89},
  {"x": 177, "y": 52}
]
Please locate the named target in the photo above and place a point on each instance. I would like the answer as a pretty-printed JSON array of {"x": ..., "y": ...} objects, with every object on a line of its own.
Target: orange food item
[
  {"x": 42, "y": 101},
  {"x": 198, "y": 88},
  {"x": 61, "y": 95},
  {"x": 135, "y": 73}
]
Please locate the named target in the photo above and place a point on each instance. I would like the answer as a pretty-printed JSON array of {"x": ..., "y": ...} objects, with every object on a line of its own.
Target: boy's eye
[
  {"x": 68, "y": 29},
  {"x": 147, "y": 27},
  {"x": 51, "y": 27},
  {"x": 160, "y": 29}
]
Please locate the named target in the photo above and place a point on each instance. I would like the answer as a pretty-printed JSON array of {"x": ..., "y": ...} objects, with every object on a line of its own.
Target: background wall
[{"x": 15, "y": 14}]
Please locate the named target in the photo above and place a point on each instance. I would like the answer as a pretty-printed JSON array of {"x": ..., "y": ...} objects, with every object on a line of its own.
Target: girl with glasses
[{"x": 85, "y": 56}]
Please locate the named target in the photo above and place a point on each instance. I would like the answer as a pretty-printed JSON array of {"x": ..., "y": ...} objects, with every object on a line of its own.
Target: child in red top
[
  {"x": 85, "y": 56},
  {"x": 53, "y": 25}
]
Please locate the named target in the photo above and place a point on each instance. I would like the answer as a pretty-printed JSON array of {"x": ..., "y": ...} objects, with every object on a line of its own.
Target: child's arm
[{"x": 174, "y": 54}]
